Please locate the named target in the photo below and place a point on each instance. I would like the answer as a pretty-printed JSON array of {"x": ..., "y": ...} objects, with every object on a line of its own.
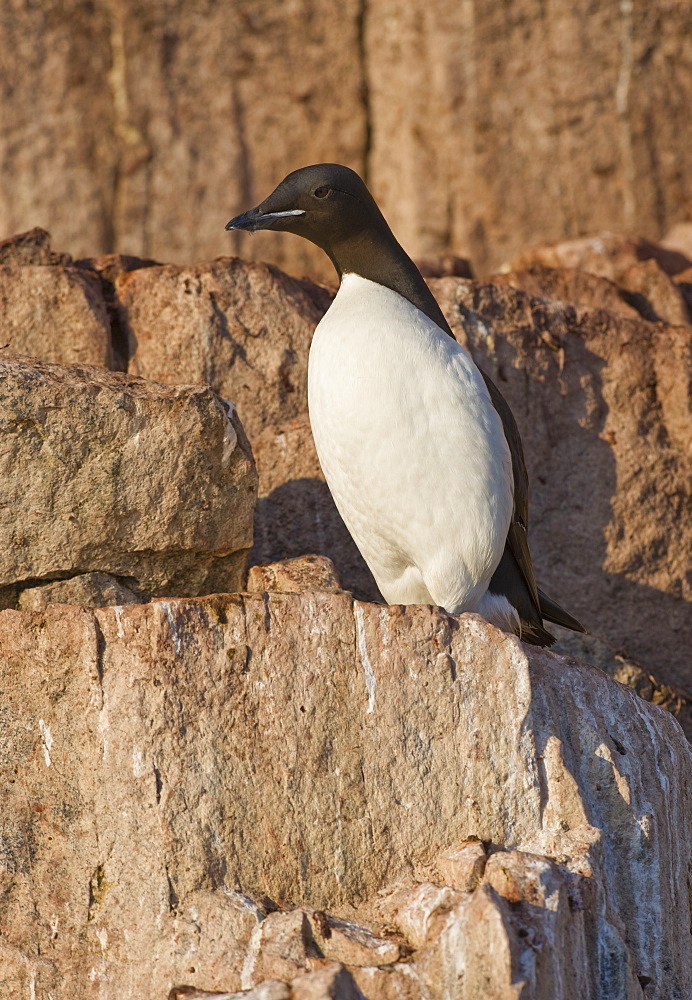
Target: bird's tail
[{"x": 554, "y": 613}]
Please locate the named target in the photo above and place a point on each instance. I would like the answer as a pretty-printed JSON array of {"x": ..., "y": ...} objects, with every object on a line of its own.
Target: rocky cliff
[
  {"x": 480, "y": 128},
  {"x": 229, "y": 783}
]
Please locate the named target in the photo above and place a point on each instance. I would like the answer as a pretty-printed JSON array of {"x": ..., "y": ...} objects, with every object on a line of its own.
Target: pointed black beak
[{"x": 253, "y": 220}]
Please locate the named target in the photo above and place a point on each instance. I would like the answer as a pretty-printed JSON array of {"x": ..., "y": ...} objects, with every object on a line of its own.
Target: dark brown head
[
  {"x": 330, "y": 205},
  {"x": 327, "y": 204}
]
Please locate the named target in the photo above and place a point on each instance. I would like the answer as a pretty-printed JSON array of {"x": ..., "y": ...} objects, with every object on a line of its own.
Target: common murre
[{"x": 420, "y": 450}]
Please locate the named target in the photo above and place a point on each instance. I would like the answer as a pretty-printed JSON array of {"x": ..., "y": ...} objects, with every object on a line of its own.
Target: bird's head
[{"x": 327, "y": 204}]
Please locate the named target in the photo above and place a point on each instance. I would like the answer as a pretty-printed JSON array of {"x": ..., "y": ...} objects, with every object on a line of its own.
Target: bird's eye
[{"x": 322, "y": 192}]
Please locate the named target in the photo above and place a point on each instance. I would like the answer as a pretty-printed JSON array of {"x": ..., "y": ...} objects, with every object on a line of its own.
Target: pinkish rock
[{"x": 155, "y": 756}]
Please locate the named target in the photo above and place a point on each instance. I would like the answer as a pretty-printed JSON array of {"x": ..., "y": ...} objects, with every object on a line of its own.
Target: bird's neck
[{"x": 375, "y": 254}]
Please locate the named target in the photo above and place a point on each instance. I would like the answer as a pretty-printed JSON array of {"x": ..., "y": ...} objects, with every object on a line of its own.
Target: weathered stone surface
[
  {"x": 608, "y": 255},
  {"x": 570, "y": 285},
  {"x": 109, "y": 268},
  {"x": 294, "y": 576},
  {"x": 244, "y": 329},
  {"x": 603, "y": 405},
  {"x": 53, "y": 313},
  {"x": 332, "y": 983},
  {"x": 32, "y": 247},
  {"x": 106, "y": 125},
  {"x": 461, "y": 866},
  {"x": 343, "y": 941},
  {"x": 640, "y": 269},
  {"x": 106, "y": 472},
  {"x": 318, "y": 750},
  {"x": 88, "y": 590}
]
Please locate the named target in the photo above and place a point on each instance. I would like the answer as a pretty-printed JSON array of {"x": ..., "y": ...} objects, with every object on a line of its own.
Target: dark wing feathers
[{"x": 514, "y": 577}]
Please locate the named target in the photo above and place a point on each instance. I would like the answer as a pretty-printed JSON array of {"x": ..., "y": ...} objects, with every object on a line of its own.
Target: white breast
[{"x": 411, "y": 447}]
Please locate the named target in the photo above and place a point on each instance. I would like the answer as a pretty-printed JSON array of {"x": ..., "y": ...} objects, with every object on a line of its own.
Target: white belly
[{"x": 411, "y": 447}]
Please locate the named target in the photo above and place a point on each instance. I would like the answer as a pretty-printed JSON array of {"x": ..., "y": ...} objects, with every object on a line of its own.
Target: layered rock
[
  {"x": 151, "y": 484},
  {"x": 181, "y": 774},
  {"x": 142, "y": 128}
]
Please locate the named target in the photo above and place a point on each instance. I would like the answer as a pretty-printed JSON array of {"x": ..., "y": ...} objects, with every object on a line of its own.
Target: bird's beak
[{"x": 253, "y": 220}]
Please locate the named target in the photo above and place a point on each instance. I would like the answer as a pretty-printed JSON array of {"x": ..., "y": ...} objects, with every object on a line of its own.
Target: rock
[
  {"x": 569, "y": 285},
  {"x": 603, "y": 406},
  {"x": 343, "y": 941},
  {"x": 244, "y": 329},
  {"x": 89, "y": 590},
  {"x": 109, "y": 267},
  {"x": 461, "y": 866},
  {"x": 164, "y": 762},
  {"x": 103, "y": 472},
  {"x": 54, "y": 313},
  {"x": 444, "y": 266},
  {"x": 271, "y": 989},
  {"x": 679, "y": 239},
  {"x": 106, "y": 131},
  {"x": 607, "y": 255},
  {"x": 295, "y": 576},
  {"x": 32, "y": 247},
  {"x": 332, "y": 983},
  {"x": 295, "y": 511}
]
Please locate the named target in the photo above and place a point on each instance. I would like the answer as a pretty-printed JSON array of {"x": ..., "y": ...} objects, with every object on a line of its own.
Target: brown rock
[
  {"x": 654, "y": 293},
  {"x": 343, "y": 941},
  {"x": 282, "y": 949},
  {"x": 105, "y": 472},
  {"x": 603, "y": 406},
  {"x": 88, "y": 590},
  {"x": 32, "y": 247},
  {"x": 295, "y": 512},
  {"x": 569, "y": 285},
  {"x": 109, "y": 267},
  {"x": 462, "y": 866},
  {"x": 242, "y": 328},
  {"x": 318, "y": 750},
  {"x": 106, "y": 131},
  {"x": 679, "y": 239},
  {"x": 294, "y": 576},
  {"x": 607, "y": 255},
  {"x": 54, "y": 313},
  {"x": 332, "y": 983},
  {"x": 445, "y": 266},
  {"x": 271, "y": 989}
]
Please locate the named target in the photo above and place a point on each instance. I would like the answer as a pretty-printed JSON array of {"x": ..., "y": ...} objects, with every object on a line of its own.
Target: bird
[{"x": 419, "y": 449}]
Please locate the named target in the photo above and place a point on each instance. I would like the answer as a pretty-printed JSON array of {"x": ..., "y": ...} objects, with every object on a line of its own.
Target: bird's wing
[{"x": 517, "y": 539}]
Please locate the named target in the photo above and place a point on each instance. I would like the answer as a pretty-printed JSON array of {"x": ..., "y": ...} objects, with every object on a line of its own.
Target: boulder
[
  {"x": 243, "y": 328},
  {"x": 55, "y": 313},
  {"x": 89, "y": 590},
  {"x": 218, "y": 791},
  {"x": 106, "y": 473},
  {"x": 32, "y": 247},
  {"x": 603, "y": 406},
  {"x": 295, "y": 576}
]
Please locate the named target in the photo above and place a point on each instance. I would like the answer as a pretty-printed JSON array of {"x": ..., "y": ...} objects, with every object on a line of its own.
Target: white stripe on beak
[{"x": 280, "y": 215}]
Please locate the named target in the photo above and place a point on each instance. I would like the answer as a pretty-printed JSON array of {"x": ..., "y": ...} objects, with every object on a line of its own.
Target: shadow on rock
[{"x": 300, "y": 517}]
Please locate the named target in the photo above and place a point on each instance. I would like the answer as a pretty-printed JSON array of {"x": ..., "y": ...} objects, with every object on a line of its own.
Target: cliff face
[
  {"x": 169, "y": 765},
  {"x": 287, "y": 791},
  {"x": 480, "y": 128}
]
